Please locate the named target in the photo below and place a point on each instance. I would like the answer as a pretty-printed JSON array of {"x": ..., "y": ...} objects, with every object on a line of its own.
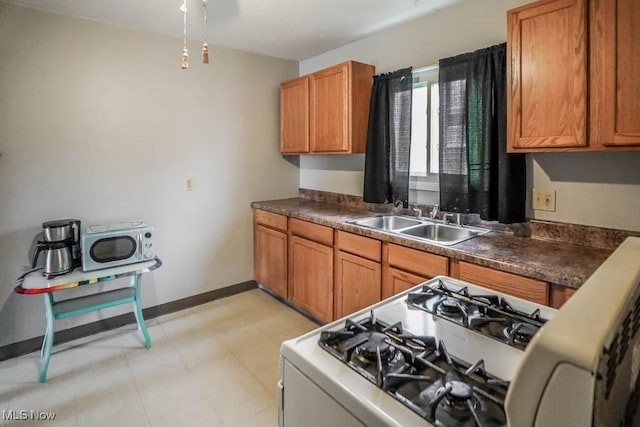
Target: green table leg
[
  {"x": 135, "y": 281},
  {"x": 47, "y": 343}
]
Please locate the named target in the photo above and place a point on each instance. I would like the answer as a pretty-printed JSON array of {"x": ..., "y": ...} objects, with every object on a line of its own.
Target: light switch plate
[
  {"x": 544, "y": 199},
  {"x": 188, "y": 184}
]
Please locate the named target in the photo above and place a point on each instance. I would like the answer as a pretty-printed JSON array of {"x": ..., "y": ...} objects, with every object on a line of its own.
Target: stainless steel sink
[
  {"x": 443, "y": 234},
  {"x": 387, "y": 222},
  {"x": 432, "y": 231}
]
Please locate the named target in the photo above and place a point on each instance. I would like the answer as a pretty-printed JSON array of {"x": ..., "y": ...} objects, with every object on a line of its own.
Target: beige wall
[
  {"x": 99, "y": 123},
  {"x": 601, "y": 189},
  {"x": 593, "y": 189}
]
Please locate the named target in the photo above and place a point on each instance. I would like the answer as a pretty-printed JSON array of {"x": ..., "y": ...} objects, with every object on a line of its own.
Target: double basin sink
[{"x": 432, "y": 231}]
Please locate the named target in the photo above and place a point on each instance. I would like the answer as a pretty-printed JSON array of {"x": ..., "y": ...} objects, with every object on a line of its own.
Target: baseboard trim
[
  {"x": 33, "y": 344},
  {"x": 290, "y": 305}
]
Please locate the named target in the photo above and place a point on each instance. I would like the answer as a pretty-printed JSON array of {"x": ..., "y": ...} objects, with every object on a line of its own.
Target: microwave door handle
[{"x": 140, "y": 244}]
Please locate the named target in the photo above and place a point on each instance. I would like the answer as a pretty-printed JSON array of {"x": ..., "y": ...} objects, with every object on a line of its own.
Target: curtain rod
[{"x": 427, "y": 68}]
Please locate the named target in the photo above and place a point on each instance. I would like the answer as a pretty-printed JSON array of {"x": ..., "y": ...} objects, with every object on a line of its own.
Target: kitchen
[{"x": 81, "y": 95}]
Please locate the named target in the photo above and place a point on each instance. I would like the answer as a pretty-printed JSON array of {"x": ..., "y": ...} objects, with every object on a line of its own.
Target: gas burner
[
  {"x": 376, "y": 344},
  {"x": 370, "y": 347},
  {"x": 457, "y": 409},
  {"x": 454, "y": 399},
  {"x": 459, "y": 391},
  {"x": 520, "y": 333},
  {"x": 375, "y": 365},
  {"x": 451, "y": 307},
  {"x": 458, "y": 403}
]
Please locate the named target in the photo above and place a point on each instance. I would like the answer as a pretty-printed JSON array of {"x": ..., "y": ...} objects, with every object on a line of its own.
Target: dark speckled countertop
[{"x": 551, "y": 261}]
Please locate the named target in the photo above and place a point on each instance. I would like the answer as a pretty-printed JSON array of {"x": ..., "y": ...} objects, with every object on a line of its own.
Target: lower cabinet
[
  {"x": 358, "y": 275},
  {"x": 333, "y": 277},
  {"x": 311, "y": 268},
  {"x": 396, "y": 281},
  {"x": 270, "y": 251},
  {"x": 558, "y": 295},
  {"x": 404, "y": 268},
  {"x": 508, "y": 283}
]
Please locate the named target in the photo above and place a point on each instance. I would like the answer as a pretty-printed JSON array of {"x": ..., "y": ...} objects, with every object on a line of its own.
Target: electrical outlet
[
  {"x": 188, "y": 184},
  {"x": 544, "y": 200}
]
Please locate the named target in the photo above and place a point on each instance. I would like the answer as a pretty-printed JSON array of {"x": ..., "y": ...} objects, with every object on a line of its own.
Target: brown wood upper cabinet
[
  {"x": 570, "y": 73},
  {"x": 615, "y": 67},
  {"x": 326, "y": 112},
  {"x": 547, "y": 76},
  {"x": 294, "y": 114}
]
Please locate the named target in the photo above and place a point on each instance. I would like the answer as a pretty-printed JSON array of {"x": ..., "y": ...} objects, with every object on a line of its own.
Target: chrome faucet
[
  {"x": 398, "y": 208},
  {"x": 417, "y": 210},
  {"x": 449, "y": 216},
  {"x": 446, "y": 217},
  {"x": 434, "y": 211}
]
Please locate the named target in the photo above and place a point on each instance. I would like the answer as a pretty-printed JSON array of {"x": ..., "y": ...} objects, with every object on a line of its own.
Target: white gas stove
[{"x": 450, "y": 353}]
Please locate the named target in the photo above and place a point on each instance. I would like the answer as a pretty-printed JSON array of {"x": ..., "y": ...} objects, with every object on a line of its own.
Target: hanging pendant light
[
  {"x": 185, "y": 53},
  {"x": 205, "y": 46}
]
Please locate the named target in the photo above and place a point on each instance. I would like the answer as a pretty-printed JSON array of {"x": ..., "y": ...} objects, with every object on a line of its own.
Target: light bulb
[
  {"x": 205, "y": 53},
  {"x": 185, "y": 59}
]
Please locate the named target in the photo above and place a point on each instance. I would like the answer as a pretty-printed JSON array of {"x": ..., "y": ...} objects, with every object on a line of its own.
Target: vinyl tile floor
[{"x": 211, "y": 365}]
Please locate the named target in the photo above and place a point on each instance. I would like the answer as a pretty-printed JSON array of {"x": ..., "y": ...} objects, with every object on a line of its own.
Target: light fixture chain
[
  {"x": 205, "y": 46},
  {"x": 185, "y": 53}
]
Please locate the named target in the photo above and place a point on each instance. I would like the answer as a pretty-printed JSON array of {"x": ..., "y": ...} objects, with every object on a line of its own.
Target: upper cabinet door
[
  {"x": 547, "y": 75},
  {"x": 294, "y": 116},
  {"x": 326, "y": 112},
  {"x": 330, "y": 112},
  {"x": 615, "y": 67}
]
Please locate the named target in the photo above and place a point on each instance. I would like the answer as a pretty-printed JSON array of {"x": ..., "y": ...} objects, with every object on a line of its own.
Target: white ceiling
[{"x": 291, "y": 29}]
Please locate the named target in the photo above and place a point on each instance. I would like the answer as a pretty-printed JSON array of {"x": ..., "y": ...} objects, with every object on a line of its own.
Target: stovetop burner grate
[
  {"x": 489, "y": 315},
  {"x": 419, "y": 372}
]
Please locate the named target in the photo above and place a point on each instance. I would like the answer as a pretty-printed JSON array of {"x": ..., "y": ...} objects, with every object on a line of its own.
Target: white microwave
[{"x": 111, "y": 245}]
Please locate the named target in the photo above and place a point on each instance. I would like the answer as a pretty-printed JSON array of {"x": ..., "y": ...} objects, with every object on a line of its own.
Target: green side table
[{"x": 34, "y": 282}]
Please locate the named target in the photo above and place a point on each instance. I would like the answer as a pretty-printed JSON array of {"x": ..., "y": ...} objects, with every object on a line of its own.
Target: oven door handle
[{"x": 280, "y": 403}]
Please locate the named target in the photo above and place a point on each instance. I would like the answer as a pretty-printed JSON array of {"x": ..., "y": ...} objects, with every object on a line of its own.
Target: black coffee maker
[{"x": 61, "y": 247}]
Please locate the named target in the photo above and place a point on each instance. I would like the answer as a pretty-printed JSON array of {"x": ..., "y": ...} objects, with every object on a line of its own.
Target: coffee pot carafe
[{"x": 60, "y": 246}]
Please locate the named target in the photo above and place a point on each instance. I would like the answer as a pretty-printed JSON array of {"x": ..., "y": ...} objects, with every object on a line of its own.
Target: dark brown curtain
[
  {"x": 386, "y": 170},
  {"x": 476, "y": 173}
]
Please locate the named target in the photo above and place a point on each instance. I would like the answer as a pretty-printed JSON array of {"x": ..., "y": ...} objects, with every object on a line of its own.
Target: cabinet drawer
[
  {"x": 418, "y": 262},
  {"x": 512, "y": 284},
  {"x": 311, "y": 231},
  {"x": 359, "y": 245},
  {"x": 270, "y": 219}
]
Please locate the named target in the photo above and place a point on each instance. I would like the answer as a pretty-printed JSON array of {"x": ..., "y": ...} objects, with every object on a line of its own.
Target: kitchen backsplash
[
  {"x": 341, "y": 199},
  {"x": 520, "y": 229},
  {"x": 585, "y": 235}
]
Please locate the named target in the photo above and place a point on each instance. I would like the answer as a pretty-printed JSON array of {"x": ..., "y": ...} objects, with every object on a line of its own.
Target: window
[{"x": 425, "y": 125}]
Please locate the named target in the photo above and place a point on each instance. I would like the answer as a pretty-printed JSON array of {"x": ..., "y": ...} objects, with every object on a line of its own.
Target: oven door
[
  {"x": 307, "y": 404},
  {"x": 112, "y": 250}
]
